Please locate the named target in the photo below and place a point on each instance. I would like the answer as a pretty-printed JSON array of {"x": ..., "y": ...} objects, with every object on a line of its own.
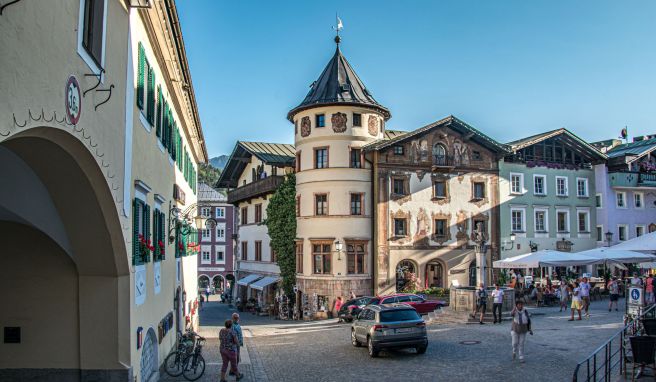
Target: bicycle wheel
[
  {"x": 194, "y": 367},
  {"x": 173, "y": 364}
]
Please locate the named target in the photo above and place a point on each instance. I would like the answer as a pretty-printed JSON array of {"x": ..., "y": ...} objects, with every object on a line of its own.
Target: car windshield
[{"x": 399, "y": 315}]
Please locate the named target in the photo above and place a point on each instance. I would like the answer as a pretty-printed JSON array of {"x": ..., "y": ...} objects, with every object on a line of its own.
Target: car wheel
[
  {"x": 421, "y": 349},
  {"x": 373, "y": 352},
  {"x": 354, "y": 340}
]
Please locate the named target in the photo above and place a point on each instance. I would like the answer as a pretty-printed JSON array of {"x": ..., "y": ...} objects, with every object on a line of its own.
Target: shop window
[{"x": 321, "y": 254}]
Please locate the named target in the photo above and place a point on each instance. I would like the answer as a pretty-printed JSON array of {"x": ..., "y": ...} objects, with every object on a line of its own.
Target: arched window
[
  {"x": 439, "y": 154},
  {"x": 435, "y": 274}
]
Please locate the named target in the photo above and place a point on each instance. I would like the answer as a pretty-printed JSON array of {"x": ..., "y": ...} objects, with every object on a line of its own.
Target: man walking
[
  {"x": 585, "y": 296},
  {"x": 240, "y": 338},
  {"x": 614, "y": 290},
  {"x": 564, "y": 295},
  {"x": 521, "y": 324},
  {"x": 481, "y": 302},
  {"x": 497, "y": 295}
]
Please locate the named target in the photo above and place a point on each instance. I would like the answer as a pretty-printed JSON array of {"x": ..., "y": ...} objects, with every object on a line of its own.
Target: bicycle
[
  {"x": 174, "y": 362},
  {"x": 193, "y": 366}
]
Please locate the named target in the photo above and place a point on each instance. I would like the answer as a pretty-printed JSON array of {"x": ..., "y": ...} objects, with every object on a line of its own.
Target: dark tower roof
[{"x": 338, "y": 85}]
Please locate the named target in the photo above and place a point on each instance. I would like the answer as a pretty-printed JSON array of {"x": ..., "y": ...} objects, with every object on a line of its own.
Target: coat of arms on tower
[
  {"x": 339, "y": 122},
  {"x": 373, "y": 125},
  {"x": 306, "y": 127}
]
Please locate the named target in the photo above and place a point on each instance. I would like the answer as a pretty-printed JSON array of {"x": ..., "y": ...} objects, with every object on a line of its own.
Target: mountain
[{"x": 219, "y": 162}]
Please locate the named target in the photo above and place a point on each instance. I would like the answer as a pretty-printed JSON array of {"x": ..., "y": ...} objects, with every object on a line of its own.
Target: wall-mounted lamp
[
  {"x": 186, "y": 221},
  {"x": 512, "y": 242},
  {"x": 338, "y": 247}
]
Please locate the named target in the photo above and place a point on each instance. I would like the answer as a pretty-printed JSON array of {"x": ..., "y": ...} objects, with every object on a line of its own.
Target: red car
[{"x": 421, "y": 305}]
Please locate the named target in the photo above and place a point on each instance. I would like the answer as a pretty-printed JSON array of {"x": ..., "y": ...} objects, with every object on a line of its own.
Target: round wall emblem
[
  {"x": 339, "y": 122},
  {"x": 73, "y": 100}
]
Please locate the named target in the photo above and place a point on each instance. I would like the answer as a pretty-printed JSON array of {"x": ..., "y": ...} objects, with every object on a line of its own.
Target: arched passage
[
  {"x": 435, "y": 274},
  {"x": 218, "y": 282},
  {"x": 64, "y": 246},
  {"x": 203, "y": 282}
]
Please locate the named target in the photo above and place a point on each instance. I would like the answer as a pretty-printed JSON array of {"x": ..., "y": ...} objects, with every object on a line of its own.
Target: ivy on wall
[{"x": 281, "y": 223}]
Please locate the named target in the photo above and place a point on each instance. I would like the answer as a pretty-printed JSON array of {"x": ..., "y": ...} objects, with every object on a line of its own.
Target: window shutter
[
  {"x": 146, "y": 225},
  {"x": 140, "y": 76},
  {"x": 162, "y": 235},
  {"x": 135, "y": 232},
  {"x": 150, "y": 111},
  {"x": 158, "y": 121},
  {"x": 169, "y": 130},
  {"x": 165, "y": 121},
  {"x": 156, "y": 234}
]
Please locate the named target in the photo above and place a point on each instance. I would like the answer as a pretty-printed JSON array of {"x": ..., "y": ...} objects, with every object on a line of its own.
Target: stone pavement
[{"x": 321, "y": 350}]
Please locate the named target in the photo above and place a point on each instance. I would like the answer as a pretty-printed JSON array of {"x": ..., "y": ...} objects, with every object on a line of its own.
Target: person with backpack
[
  {"x": 614, "y": 290},
  {"x": 481, "y": 302},
  {"x": 521, "y": 324}
]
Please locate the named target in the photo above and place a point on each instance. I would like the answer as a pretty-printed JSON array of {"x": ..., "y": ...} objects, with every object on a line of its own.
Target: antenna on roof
[{"x": 338, "y": 27}]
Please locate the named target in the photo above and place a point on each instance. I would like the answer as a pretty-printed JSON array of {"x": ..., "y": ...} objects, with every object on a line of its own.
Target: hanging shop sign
[{"x": 73, "y": 100}]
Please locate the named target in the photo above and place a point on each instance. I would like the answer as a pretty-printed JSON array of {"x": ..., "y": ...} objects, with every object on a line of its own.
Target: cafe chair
[{"x": 643, "y": 350}]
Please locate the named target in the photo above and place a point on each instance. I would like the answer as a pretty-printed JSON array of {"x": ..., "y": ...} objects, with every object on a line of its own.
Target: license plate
[{"x": 404, "y": 330}]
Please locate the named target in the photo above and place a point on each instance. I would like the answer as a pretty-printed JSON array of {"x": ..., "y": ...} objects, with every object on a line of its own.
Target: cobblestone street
[{"x": 321, "y": 351}]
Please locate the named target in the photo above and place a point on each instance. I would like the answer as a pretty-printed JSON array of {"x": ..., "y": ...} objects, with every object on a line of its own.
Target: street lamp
[
  {"x": 609, "y": 237},
  {"x": 512, "y": 242},
  {"x": 184, "y": 221},
  {"x": 338, "y": 247}
]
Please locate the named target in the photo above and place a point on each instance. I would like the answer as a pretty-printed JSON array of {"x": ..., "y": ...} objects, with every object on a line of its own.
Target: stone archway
[
  {"x": 218, "y": 282},
  {"x": 57, "y": 212},
  {"x": 149, "y": 357},
  {"x": 203, "y": 282},
  {"x": 435, "y": 274},
  {"x": 406, "y": 272}
]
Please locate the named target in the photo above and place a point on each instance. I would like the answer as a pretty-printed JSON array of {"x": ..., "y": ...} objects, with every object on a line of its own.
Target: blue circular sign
[{"x": 635, "y": 294}]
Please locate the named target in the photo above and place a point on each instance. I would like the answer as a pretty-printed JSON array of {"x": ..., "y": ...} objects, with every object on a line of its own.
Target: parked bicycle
[
  {"x": 193, "y": 365},
  {"x": 174, "y": 362}
]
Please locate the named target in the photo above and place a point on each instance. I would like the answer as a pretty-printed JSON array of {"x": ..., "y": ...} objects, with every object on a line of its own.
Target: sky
[{"x": 509, "y": 68}]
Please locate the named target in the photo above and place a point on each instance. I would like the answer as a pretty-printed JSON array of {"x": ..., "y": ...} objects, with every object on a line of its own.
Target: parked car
[
  {"x": 422, "y": 305},
  {"x": 351, "y": 308},
  {"x": 389, "y": 326}
]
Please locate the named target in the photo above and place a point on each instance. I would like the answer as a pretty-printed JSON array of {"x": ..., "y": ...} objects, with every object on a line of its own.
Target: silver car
[{"x": 389, "y": 326}]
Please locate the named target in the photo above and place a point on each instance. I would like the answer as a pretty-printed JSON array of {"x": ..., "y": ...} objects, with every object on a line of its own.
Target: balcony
[
  {"x": 631, "y": 179},
  {"x": 255, "y": 189},
  {"x": 443, "y": 163}
]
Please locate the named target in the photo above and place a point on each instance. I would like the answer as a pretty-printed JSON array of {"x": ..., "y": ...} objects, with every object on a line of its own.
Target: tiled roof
[
  {"x": 274, "y": 154},
  {"x": 208, "y": 194},
  {"x": 571, "y": 137},
  {"x": 391, "y": 134},
  {"x": 634, "y": 148}
]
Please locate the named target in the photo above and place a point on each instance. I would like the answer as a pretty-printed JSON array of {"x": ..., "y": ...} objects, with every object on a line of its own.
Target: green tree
[
  {"x": 208, "y": 174},
  {"x": 281, "y": 223}
]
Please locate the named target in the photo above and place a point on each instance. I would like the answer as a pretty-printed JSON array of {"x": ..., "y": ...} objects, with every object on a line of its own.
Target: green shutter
[
  {"x": 155, "y": 234},
  {"x": 146, "y": 224},
  {"x": 162, "y": 235},
  {"x": 164, "y": 122},
  {"x": 174, "y": 153},
  {"x": 135, "y": 233},
  {"x": 158, "y": 121},
  {"x": 140, "y": 76},
  {"x": 150, "y": 107}
]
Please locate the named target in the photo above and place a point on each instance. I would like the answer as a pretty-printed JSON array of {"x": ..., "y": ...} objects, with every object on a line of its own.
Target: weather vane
[{"x": 338, "y": 27}]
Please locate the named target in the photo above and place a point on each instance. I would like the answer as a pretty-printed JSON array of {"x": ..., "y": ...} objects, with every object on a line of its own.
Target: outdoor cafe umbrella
[
  {"x": 644, "y": 243},
  {"x": 618, "y": 255},
  {"x": 546, "y": 258}
]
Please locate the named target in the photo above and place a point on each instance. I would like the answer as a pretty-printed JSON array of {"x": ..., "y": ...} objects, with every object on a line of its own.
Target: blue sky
[{"x": 509, "y": 68}]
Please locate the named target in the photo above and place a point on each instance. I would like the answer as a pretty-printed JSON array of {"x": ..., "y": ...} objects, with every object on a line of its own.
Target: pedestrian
[
  {"x": 614, "y": 290},
  {"x": 228, "y": 343},
  {"x": 521, "y": 324},
  {"x": 207, "y": 293},
  {"x": 481, "y": 302},
  {"x": 635, "y": 280},
  {"x": 497, "y": 302},
  {"x": 352, "y": 295},
  {"x": 240, "y": 337},
  {"x": 649, "y": 290},
  {"x": 576, "y": 300},
  {"x": 585, "y": 296},
  {"x": 564, "y": 295},
  {"x": 338, "y": 306}
]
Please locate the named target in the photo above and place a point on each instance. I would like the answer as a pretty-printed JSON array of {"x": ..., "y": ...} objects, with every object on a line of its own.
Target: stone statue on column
[{"x": 479, "y": 237}]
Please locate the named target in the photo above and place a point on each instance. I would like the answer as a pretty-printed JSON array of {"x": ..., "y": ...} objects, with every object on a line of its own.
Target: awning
[
  {"x": 249, "y": 279},
  {"x": 260, "y": 284}
]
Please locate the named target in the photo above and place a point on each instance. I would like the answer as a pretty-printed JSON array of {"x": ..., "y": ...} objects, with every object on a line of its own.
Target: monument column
[{"x": 479, "y": 237}]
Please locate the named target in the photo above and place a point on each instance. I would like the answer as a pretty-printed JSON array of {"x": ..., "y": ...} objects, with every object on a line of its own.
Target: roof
[
  {"x": 391, "y": 134},
  {"x": 338, "y": 84},
  {"x": 207, "y": 194},
  {"x": 451, "y": 122},
  {"x": 273, "y": 154},
  {"x": 638, "y": 149},
  {"x": 573, "y": 139}
]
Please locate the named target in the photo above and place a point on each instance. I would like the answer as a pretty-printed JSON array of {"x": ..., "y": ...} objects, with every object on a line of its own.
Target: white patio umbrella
[
  {"x": 618, "y": 255},
  {"x": 545, "y": 258},
  {"x": 644, "y": 243}
]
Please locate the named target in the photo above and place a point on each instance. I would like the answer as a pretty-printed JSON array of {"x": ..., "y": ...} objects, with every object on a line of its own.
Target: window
[
  {"x": 298, "y": 161},
  {"x": 600, "y": 233},
  {"x": 439, "y": 189},
  {"x": 258, "y": 213},
  {"x": 476, "y": 155},
  {"x": 539, "y": 184},
  {"x": 479, "y": 190},
  {"x": 298, "y": 205},
  {"x": 356, "y": 158},
  {"x": 220, "y": 232},
  {"x": 321, "y": 204},
  {"x": 220, "y": 212},
  {"x": 321, "y": 257},
  {"x": 398, "y": 150},
  {"x": 140, "y": 232},
  {"x": 439, "y": 155},
  {"x": 517, "y": 220},
  {"x": 244, "y": 215},
  {"x": 206, "y": 212},
  {"x": 621, "y": 232},
  {"x": 582, "y": 187},
  {"x": 321, "y": 157},
  {"x": 357, "y": 119},
  {"x": 320, "y": 120},
  {"x": 598, "y": 202},
  {"x": 299, "y": 257},
  {"x": 561, "y": 186},
  {"x": 244, "y": 250},
  {"x": 562, "y": 220},
  {"x": 356, "y": 204},
  {"x": 441, "y": 228},
  {"x": 274, "y": 256},
  {"x": 220, "y": 255},
  {"x": 584, "y": 221},
  {"x": 355, "y": 256},
  {"x": 620, "y": 197},
  {"x": 205, "y": 256},
  {"x": 640, "y": 230},
  {"x": 205, "y": 233},
  {"x": 541, "y": 223},
  {"x": 400, "y": 227},
  {"x": 92, "y": 32},
  {"x": 516, "y": 183},
  {"x": 637, "y": 200},
  {"x": 398, "y": 186},
  {"x": 258, "y": 250}
]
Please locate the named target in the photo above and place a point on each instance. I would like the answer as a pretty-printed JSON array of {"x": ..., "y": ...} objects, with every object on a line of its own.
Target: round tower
[{"x": 337, "y": 118}]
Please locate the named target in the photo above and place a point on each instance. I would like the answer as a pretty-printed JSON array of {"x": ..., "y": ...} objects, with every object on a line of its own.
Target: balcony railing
[
  {"x": 253, "y": 190},
  {"x": 647, "y": 179},
  {"x": 443, "y": 161}
]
